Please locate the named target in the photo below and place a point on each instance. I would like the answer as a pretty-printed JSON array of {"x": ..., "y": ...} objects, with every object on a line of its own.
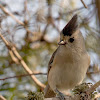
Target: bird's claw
[{"x": 60, "y": 95}]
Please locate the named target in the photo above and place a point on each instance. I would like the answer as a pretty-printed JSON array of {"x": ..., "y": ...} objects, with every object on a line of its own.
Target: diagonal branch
[
  {"x": 84, "y": 4},
  {"x": 93, "y": 88},
  {"x": 24, "y": 65},
  {"x": 18, "y": 21},
  {"x": 8, "y": 13},
  {"x": 2, "y": 98}
]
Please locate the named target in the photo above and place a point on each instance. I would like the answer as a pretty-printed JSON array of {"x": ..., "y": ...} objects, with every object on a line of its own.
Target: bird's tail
[{"x": 48, "y": 92}]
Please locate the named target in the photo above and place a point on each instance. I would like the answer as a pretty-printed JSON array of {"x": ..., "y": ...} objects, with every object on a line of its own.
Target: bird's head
[
  {"x": 68, "y": 32},
  {"x": 70, "y": 35}
]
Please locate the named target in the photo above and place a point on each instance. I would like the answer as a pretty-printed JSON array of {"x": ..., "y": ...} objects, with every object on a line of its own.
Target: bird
[{"x": 69, "y": 63}]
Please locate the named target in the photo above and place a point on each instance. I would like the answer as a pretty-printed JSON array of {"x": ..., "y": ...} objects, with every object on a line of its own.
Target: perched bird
[{"x": 69, "y": 63}]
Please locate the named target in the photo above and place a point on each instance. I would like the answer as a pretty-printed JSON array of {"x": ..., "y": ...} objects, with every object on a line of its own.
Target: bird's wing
[
  {"x": 51, "y": 60},
  {"x": 48, "y": 92}
]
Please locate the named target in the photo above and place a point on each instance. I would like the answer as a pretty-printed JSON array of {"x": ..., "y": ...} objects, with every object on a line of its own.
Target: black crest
[{"x": 71, "y": 27}]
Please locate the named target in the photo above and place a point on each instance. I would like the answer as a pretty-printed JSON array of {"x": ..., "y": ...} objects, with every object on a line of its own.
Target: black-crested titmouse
[{"x": 69, "y": 63}]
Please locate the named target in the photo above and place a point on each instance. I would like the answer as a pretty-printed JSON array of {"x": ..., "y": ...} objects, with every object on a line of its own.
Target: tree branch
[
  {"x": 24, "y": 65},
  {"x": 2, "y": 98},
  {"x": 84, "y": 4},
  {"x": 18, "y": 21},
  {"x": 93, "y": 88},
  {"x": 8, "y": 13},
  {"x": 24, "y": 75}
]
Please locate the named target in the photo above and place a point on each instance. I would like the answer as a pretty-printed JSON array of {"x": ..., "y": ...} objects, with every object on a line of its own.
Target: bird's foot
[{"x": 60, "y": 95}]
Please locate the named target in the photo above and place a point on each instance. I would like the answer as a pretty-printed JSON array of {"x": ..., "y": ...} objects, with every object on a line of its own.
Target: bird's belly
[{"x": 66, "y": 76}]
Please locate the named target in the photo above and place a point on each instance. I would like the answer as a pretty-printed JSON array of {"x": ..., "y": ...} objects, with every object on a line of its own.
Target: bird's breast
[{"x": 67, "y": 71}]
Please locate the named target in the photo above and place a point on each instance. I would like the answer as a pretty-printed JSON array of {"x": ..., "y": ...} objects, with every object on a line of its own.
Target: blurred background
[{"x": 37, "y": 39}]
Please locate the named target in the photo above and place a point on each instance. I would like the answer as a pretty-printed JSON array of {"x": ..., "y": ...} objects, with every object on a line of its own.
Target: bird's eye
[{"x": 71, "y": 40}]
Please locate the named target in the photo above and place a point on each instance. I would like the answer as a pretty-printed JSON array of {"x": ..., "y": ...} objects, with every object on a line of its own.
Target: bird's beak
[{"x": 62, "y": 43}]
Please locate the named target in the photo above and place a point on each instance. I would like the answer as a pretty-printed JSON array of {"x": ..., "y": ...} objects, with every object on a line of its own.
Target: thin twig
[
  {"x": 77, "y": 9},
  {"x": 44, "y": 32},
  {"x": 24, "y": 65},
  {"x": 8, "y": 13},
  {"x": 84, "y": 4},
  {"x": 55, "y": 26},
  {"x": 94, "y": 72},
  {"x": 18, "y": 21},
  {"x": 23, "y": 75},
  {"x": 93, "y": 88}
]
